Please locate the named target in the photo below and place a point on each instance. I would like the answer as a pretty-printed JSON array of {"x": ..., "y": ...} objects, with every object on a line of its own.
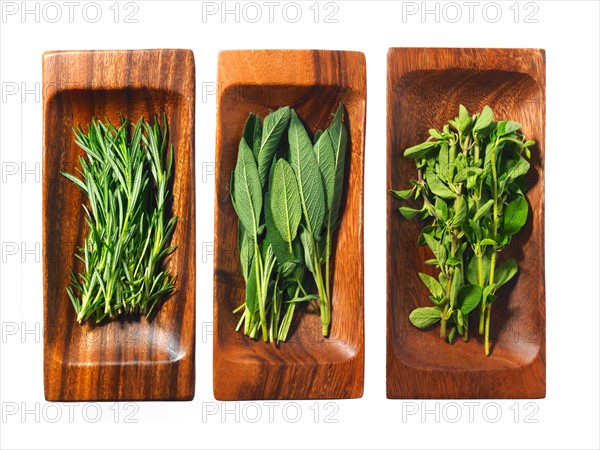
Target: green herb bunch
[
  {"x": 471, "y": 186},
  {"x": 125, "y": 176},
  {"x": 286, "y": 190}
]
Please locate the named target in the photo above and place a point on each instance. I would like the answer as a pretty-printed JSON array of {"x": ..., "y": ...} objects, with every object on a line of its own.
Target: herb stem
[
  {"x": 324, "y": 304},
  {"x": 259, "y": 291},
  {"x": 487, "y": 329}
]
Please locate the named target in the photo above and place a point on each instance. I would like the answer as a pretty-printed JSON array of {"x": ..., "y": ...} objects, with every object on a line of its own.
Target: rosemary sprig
[{"x": 125, "y": 179}]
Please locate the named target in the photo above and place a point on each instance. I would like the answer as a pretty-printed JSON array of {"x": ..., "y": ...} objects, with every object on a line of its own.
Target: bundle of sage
[{"x": 286, "y": 190}]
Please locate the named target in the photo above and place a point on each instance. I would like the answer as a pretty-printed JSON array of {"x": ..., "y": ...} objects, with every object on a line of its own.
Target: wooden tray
[
  {"x": 121, "y": 360},
  {"x": 307, "y": 365},
  {"x": 425, "y": 88}
]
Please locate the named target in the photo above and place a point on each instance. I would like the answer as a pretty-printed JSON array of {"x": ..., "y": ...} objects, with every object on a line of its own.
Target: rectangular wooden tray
[
  {"x": 425, "y": 87},
  {"x": 120, "y": 360},
  {"x": 307, "y": 365}
]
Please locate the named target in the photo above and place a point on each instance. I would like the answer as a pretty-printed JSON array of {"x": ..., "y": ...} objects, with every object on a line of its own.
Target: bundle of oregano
[
  {"x": 286, "y": 191},
  {"x": 470, "y": 182},
  {"x": 125, "y": 180}
]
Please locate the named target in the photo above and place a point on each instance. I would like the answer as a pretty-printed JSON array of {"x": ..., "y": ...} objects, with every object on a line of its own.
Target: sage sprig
[
  {"x": 286, "y": 190},
  {"x": 471, "y": 185},
  {"x": 125, "y": 175}
]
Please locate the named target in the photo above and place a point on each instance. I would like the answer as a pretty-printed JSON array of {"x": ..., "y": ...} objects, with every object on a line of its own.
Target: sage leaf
[
  {"x": 253, "y": 133},
  {"x": 339, "y": 140},
  {"x": 284, "y": 194},
  {"x": 325, "y": 159},
  {"x": 318, "y": 135},
  {"x": 309, "y": 248},
  {"x": 246, "y": 249},
  {"x": 247, "y": 190},
  {"x": 283, "y": 251},
  {"x": 310, "y": 185},
  {"x": 274, "y": 126}
]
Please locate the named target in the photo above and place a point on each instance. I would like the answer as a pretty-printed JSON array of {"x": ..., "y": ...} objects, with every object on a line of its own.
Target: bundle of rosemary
[{"x": 125, "y": 175}]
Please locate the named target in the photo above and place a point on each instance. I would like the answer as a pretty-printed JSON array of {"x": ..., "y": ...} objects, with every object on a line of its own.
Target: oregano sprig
[{"x": 470, "y": 181}]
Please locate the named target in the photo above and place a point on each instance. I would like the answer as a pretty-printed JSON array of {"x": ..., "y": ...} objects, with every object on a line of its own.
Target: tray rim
[
  {"x": 231, "y": 81},
  {"x": 535, "y": 69},
  {"x": 53, "y": 86}
]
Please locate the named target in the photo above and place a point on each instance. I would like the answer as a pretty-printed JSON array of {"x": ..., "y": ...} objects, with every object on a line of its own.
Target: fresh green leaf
[
  {"x": 505, "y": 272},
  {"x": 437, "y": 186},
  {"x": 511, "y": 127},
  {"x": 247, "y": 190},
  {"x": 455, "y": 286},
  {"x": 421, "y": 150},
  {"x": 283, "y": 251},
  {"x": 409, "y": 213},
  {"x": 435, "y": 134},
  {"x": 451, "y": 335},
  {"x": 425, "y": 317},
  {"x": 452, "y": 261},
  {"x": 339, "y": 140},
  {"x": 469, "y": 296},
  {"x": 309, "y": 248},
  {"x": 488, "y": 291},
  {"x": 460, "y": 210},
  {"x": 310, "y": 185},
  {"x": 483, "y": 210},
  {"x": 432, "y": 284},
  {"x": 472, "y": 269},
  {"x": 285, "y": 201},
  {"x": 484, "y": 119},
  {"x": 246, "y": 249},
  {"x": 465, "y": 121},
  {"x": 438, "y": 250},
  {"x": 253, "y": 133},
  {"x": 402, "y": 195},
  {"x": 274, "y": 126},
  {"x": 325, "y": 159},
  {"x": 515, "y": 216}
]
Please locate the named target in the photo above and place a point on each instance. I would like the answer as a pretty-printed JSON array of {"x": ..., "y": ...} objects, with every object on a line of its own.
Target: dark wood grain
[
  {"x": 307, "y": 365},
  {"x": 122, "y": 359},
  {"x": 425, "y": 87}
]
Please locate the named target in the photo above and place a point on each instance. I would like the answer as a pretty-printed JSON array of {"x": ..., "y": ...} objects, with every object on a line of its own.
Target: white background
[{"x": 567, "y": 418}]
